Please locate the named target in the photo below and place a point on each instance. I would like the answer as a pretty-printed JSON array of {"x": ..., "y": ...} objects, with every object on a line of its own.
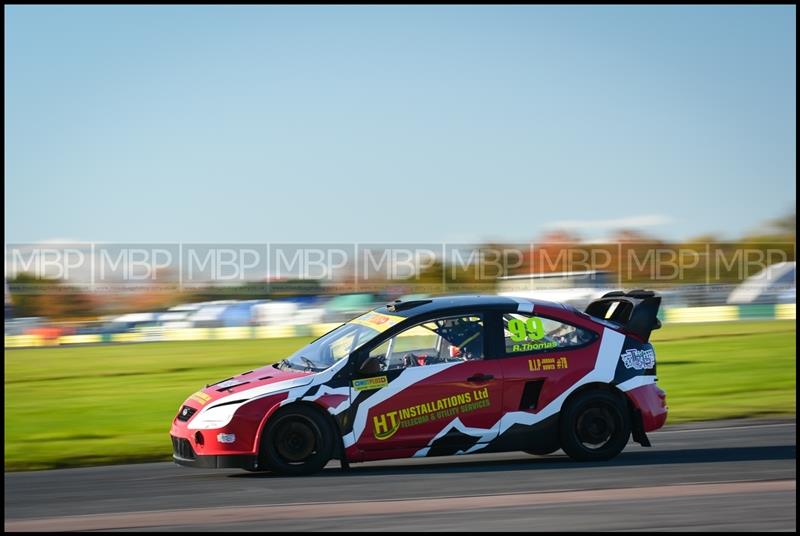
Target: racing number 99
[{"x": 520, "y": 330}]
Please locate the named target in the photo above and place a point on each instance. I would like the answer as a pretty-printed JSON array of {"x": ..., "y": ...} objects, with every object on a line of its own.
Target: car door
[
  {"x": 545, "y": 355},
  {"x": 428, "y": 389}
]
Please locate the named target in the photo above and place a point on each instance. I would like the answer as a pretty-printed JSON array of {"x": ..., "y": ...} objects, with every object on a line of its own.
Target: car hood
[{"x": 252, "y": 383}]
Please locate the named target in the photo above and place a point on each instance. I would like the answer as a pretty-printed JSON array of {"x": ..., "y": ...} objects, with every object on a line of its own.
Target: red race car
[{"x": 441, "y": 376}]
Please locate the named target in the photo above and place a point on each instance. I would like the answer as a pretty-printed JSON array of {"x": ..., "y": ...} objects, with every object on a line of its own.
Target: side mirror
[{"x": 371, "y": 365}]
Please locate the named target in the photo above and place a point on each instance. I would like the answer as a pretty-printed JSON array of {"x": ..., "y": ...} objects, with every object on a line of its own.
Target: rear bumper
[{"x": 651, "y": 402}]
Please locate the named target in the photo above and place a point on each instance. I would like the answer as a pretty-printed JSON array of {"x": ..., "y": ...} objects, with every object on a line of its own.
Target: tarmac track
[{"x": 723, "y": 475}]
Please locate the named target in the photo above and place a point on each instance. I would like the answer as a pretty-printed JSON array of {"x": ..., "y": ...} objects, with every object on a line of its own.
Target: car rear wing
[{"x": 636, "y": 311}]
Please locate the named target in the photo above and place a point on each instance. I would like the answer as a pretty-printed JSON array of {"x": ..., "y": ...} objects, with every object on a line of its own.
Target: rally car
[{"x": 440, "y": 376}]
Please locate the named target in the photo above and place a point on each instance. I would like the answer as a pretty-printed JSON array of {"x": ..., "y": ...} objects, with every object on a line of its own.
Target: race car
[{"x": 440, "y": 376}]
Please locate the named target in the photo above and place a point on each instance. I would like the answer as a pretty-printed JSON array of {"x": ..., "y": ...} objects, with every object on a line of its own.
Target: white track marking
[
  {"x": 745, "y": 427},
  {"x": 262, "y": 513}
]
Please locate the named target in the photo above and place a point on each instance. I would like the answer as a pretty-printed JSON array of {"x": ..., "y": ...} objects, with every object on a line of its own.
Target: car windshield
[{"x": 339, "y": 343}]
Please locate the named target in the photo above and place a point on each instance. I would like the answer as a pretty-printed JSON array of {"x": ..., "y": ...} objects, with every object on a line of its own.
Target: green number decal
[
  {"x": 517, "y": 329},
  {"x": 532, "y": 329},
  {"x": 535, "y": 328}
]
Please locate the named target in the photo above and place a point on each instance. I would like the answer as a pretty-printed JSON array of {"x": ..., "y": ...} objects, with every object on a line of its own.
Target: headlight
[
  {"x": 214, "y": 417},
  {"x": 186, "y": 413}
]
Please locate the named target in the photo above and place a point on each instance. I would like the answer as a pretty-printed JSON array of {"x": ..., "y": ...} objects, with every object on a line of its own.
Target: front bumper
[{"x": 184, "y": 454}]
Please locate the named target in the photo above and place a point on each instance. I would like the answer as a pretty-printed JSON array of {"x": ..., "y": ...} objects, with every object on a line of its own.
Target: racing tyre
[
  {"x": 595, "y": 426},
  {"x": 297, "y": 441}
]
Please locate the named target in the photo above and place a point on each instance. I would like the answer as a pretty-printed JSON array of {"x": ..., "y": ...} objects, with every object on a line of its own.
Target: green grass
[
  {"x": 112, "y": 404},
  {"x": 107, "y": 404},
  {"x": 726, "y": 370}
]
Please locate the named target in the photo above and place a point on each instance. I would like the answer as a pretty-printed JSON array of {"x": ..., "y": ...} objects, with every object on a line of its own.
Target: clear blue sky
[{"x": 342, "y": 124}]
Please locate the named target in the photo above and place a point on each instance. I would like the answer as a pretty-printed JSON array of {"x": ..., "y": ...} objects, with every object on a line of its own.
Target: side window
[
  {"x": 442, "y": 340},
  {"x": 530, "y": 334}
]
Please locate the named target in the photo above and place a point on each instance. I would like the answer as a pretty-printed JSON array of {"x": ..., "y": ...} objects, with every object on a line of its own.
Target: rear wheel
[
  {"x": 297, "y": 441},
  {"x": 595, "y": 426}
]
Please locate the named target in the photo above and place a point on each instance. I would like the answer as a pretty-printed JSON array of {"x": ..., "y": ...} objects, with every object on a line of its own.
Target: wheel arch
[
  {"x": 637, "y": 425},
  {"x": 338, "y": 451},
  {"x": 599, "y": 386}
]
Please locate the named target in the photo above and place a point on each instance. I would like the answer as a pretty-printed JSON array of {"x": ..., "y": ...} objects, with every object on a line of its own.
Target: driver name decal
[
  {"x": 531, "y": 346},
  {"x": 385, "y": 425}
]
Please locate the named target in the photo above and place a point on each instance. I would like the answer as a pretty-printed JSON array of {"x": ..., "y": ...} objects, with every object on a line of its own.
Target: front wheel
[
  {"x": 297, "y": 441},
  {"x": 595, "y": 426}
]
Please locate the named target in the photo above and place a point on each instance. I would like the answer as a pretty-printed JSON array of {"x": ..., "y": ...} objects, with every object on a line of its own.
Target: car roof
[{"x": 445, "y": 304}]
